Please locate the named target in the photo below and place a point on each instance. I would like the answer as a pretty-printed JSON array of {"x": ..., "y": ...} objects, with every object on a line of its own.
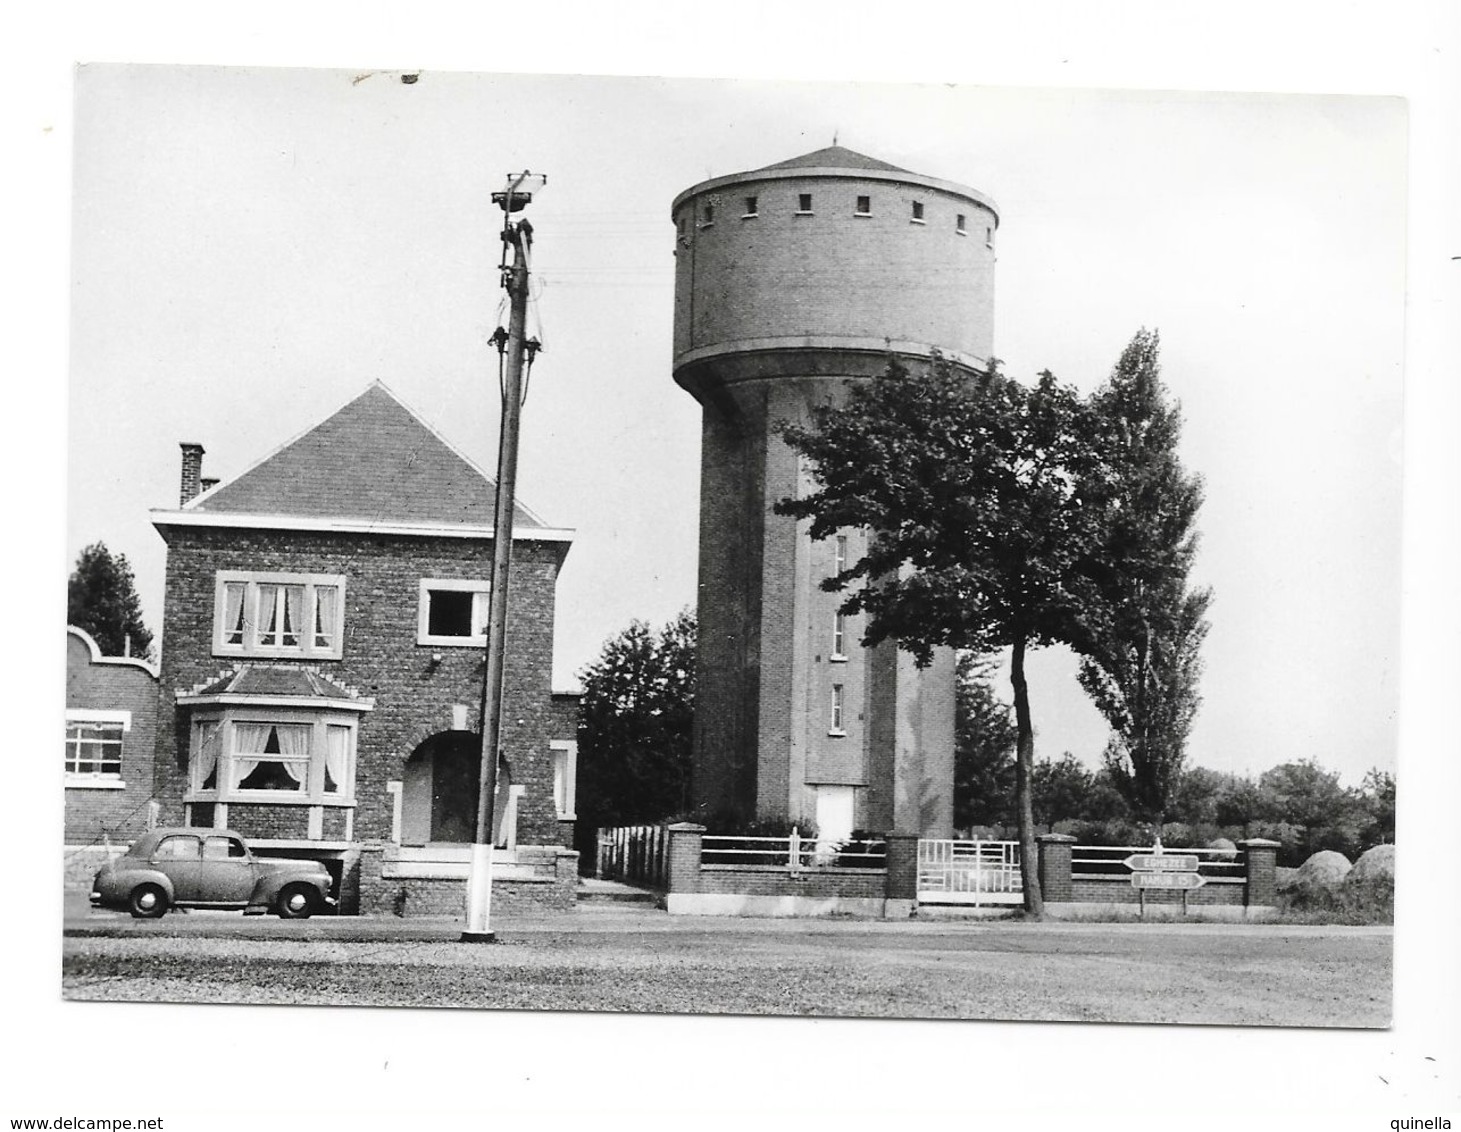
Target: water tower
[{"x": 790, "y": 281}]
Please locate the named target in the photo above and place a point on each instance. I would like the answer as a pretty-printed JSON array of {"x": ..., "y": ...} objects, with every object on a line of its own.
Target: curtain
[
  {"x": 233, "y": 612},
  {"x": 293, "y": 601},
  {"x": 337, "y": 758},
  {"x": 268, "y": 600},
  {"x": 325, "y": 616},
  {"x": 205, "y": 754},
  {"x": 249, "y": 739},
  {"x": 294, "y": 747}
]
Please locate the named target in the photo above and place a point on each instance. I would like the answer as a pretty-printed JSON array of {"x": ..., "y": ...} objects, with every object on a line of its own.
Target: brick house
[
  {"x": 323, "y": 654},
  {"x": 111, "y": 727}
]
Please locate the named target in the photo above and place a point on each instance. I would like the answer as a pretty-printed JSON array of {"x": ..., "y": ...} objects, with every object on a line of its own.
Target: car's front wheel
[
  {"x": 147, "y": 902},
  {"x": 296, "y": 901}
]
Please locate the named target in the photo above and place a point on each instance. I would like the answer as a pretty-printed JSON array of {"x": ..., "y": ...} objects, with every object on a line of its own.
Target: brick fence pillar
[
  {"x": 902, "y": 867},
  {"x": 371, "y": 897},
  {"x": 683, "y": 871},
  {"x": 1054, "y": 870},
  {"x": 1261, "y": 857}
]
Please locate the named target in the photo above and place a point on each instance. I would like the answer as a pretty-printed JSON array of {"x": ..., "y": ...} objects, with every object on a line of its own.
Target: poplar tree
[{"x": 1142, "y": 622}]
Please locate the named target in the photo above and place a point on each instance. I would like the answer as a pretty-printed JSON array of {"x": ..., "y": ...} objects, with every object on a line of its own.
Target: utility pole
[{"x": 512, "y": 350}]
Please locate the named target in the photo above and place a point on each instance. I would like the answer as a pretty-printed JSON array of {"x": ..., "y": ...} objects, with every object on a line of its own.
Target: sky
[
  {"x": 251, "y": 247},
  {"x": 1086, "y": 299}
]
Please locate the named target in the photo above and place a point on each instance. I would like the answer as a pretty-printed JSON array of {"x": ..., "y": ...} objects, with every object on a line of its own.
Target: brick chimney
[{"x": 192, "y": 472}]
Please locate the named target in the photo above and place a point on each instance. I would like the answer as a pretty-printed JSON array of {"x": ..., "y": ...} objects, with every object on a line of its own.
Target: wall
[
  {"x": 414, "y": 696},
  {"x": 112, "y": 684}
]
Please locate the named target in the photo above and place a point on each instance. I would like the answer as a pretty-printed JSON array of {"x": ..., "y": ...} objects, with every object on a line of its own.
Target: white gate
[{"x": 969, "y": 872}]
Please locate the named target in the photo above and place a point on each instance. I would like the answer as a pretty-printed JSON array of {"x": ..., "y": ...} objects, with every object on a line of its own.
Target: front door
[{"x": 835, "y": 812}]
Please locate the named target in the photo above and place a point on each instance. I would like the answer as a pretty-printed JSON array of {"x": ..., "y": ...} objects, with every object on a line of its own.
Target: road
[{"x": 641, "y": 959}]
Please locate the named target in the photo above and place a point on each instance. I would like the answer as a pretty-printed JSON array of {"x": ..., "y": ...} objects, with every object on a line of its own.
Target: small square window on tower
[
  {"x": 959, "y": 225},
  {"x": 750, "y": 208},
  {"x": 864, "y": 206},
  {"x": 804, "y": 203},
  {"x": 707, "y": 216},
  {"x": 917, "y": 217},
  {"x": 839, "y": 636},
  {"x": 989, "y": 237}
]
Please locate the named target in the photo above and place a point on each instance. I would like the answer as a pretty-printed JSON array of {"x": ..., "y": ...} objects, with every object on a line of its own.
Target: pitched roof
[
  {"x": 373, "y": 460},
  {"x": 835, "y": 157},
  {"x": 274, "y": 681}
]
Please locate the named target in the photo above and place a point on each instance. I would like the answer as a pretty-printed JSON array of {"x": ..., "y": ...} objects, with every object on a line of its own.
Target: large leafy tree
[
  {"x": 984, "y": 747},
  {"x": 971, "y": 487},
  {"x": 1142, "y": 623},
  {"x": 101, "y": 598},
  {"x": 634, "y": 725}
]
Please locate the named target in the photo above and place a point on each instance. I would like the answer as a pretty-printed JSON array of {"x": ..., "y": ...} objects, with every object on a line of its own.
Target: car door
[
  {"x": 178, "y": 857},
  {"x": 226, "y": 873}
]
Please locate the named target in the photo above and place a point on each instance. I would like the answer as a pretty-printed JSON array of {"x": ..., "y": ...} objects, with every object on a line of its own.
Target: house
[
  {"x": 111, "y": 727},
  {"x": 323, "y": 654}
]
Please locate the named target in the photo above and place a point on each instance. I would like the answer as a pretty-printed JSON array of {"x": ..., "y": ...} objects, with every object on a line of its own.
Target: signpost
[{"x": 1164, "y": 870}]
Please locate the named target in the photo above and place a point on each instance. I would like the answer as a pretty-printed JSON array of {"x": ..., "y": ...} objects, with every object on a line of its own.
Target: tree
[
  {"x": 984, "y": 748},
  {"x": 1060, "y": 790},
  {"x": 1378, "y": 793},
  {"x": 970, "y": 487},
  {"x": 101, "y": 598},
  {"x": 1143, "y": 625},
  {"x": 634, "y": 725},
  {"x": 1305, "y": 795}
]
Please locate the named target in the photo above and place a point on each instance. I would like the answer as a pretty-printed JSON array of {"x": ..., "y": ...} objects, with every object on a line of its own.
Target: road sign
[
  {"x": 1167, "y": 880},
  {"x": 1162, "y": 863}
]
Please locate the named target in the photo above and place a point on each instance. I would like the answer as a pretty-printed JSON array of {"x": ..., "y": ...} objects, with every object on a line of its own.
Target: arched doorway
[{"x": 439, "y": 790}]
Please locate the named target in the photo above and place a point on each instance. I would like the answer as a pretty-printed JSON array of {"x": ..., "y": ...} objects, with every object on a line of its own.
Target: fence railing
[
  {"x": 635, "y": 854},
  {"x": 794, "y": 853},
  {"x": 1107, "y": 862},
  {"x": 969, "y": 872}
]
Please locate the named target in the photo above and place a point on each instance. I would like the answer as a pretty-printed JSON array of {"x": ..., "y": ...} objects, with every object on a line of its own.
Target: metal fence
[
  {"x": 969, "y": 872},
  {"x": 635, "y": 854},
  {"x": 794, "y": 853}
]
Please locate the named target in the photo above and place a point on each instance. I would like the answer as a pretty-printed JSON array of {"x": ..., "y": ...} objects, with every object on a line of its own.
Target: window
[
  {"x": 864, "y": 206},
  {"x": 989, "y": 237},
  {"x": 839, "y": 555},
  {"x": 839, "y": 636},
  {"x": 959, "y": 224},
  {"x": 255, "y": 754},
  {"x": 176, "y": 849},
  {"x": 835, "y": 724},
  {"x": 94, "y": 747},
  {"x": 917, "y": 217},
  {"x": 278, "y": 614},
  {"x": 804, "y": 203},
  {"x": 707, "y": 216},
  {"x": 750, "y": 208},
  {"x": 453, "y": 612},
  {"x": 565, "y": 775},
  {"x": 223, "y": 849}
]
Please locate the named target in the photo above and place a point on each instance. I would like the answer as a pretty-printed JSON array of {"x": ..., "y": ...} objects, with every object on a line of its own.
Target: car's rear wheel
[
  {"x": 296, "y": 901},
  {"x": 147, "y": 902}
]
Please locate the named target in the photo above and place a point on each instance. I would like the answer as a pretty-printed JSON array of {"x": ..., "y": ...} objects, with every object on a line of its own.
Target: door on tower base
[{"x": 835, "y": 807}]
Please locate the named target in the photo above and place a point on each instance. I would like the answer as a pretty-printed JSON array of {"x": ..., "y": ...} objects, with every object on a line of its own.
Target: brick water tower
[{"x": 790, "y": 281}]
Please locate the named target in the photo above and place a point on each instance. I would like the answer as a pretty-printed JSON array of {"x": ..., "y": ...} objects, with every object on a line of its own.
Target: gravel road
[{"x": 648, "y": 961}]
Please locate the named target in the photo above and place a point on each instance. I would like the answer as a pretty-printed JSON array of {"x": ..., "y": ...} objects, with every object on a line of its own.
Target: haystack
[
  {"x": 1374, "y": 863},
  {"x": 1325, "y": 869}
]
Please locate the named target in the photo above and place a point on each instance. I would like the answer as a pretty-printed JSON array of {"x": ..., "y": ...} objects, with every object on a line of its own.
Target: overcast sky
[{"x": 252, "y": 247}]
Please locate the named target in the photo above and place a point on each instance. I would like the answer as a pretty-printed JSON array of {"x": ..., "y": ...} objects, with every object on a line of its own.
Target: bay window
[{"x": 272, "y": 755}]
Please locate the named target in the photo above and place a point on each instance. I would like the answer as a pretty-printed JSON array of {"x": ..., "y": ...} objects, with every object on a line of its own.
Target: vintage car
[{"x": 208, "y": 868}]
